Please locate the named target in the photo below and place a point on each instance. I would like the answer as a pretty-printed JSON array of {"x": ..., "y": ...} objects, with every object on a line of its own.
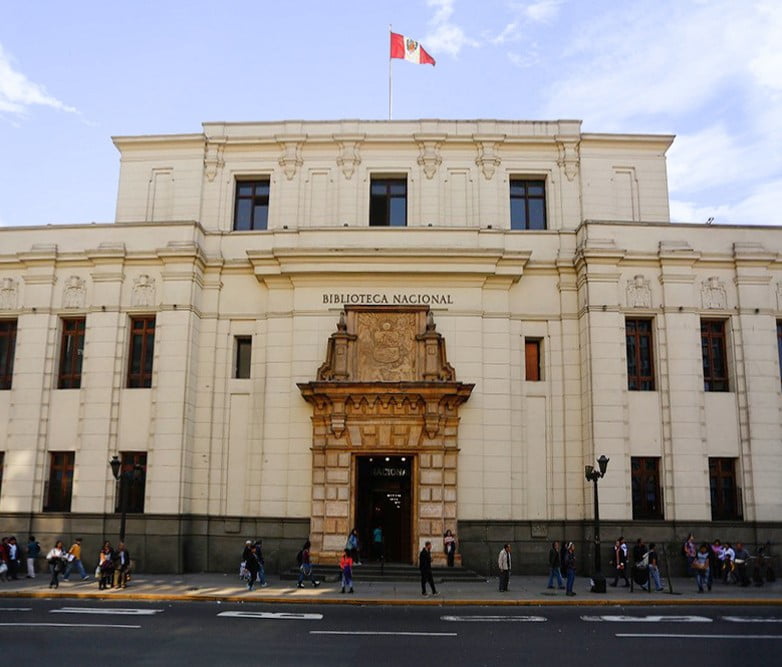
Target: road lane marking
[
  {"x": 393, "y": 634},
  {"x": 16, "y": 608},
  {"x": 752, "y": 619},
  {"x": 494, "y": 619},
  {"x": 69, "y": 625},
  {"x": 640, "y": 635},
  {"x": 106, "y": 611},
  {"x": 275, "y": 616},
  {"x": 648, "y": 619}
]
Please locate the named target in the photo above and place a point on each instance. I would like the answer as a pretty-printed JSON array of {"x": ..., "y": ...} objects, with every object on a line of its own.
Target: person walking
[
  {"x": 653, "y": 566},
  {"x": 55, "y": 560},
  {"x": 74, "y": 561},
  {"x": 106, "y": 566},
  {"x": 620, "y": 563},
  {"x": 346, "y": 570},
  {"x": 554, "y": 565},
  {"x": 33, "y": 552},
  {"x": 690, "y": 551},
  {"x": 449, "y": 546},
  {"x": 570, "y": 564},
  {"x": 504, "y": 563},
  {"x": 425, "y": 567},
  {"x": 252, "y": 565},
  {"x": 261, "y": 578},
  {"x": 701, "y": 568},
  {"x": 305, "y": 566}
]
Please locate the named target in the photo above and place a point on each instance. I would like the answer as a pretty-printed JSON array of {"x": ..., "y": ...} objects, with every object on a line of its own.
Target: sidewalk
[{"x": 524, "y": 591}]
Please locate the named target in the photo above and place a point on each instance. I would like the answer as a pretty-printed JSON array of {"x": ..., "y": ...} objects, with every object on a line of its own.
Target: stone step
[{"x": 389, "y": 572}]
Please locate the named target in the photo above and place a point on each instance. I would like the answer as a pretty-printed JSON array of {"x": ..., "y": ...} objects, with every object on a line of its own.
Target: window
[
  {"x": 60, "y": 484},
  {"x": 647, "y": 496},
  {"x": 532, "y": 359},
  {"x": 2, "y": 462},
  {"x": 142, "y": 350},
  {"x": 715, "y": 372},
  {"x": 131, "y": 484},
  {"x": 779, "y": 347},
  {"x": 71, "y": 353},
  {"x": 251, "y": 210},
  {"x": 640, "y": 360},
  {"x": 725, "y": 496},
  {"x": 388, "y": 202},
  {"x": 242, "y": 356},
  {"x": 7, "y": 350},
  {"x": 527, "y": 204}
]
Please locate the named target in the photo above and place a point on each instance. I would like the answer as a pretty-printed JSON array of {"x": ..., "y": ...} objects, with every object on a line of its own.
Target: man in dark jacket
[
  {"x": 425, "y": 565},
  {"x": 554, "y": 565},
  {"x": 121, "y": 558}
]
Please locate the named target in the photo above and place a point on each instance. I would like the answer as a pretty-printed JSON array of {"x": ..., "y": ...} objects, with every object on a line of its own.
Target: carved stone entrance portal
[{"x": 386, "y": 388}]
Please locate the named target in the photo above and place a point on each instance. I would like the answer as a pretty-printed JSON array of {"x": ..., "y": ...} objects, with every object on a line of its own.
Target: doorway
[{"x": 383, "y": 499}]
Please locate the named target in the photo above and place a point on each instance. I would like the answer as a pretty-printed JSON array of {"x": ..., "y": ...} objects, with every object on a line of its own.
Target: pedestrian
[
  {"x": 620, "y": 563},
  {"x": 353, "y": 546},
  {"x": 701, "y": 567},
  {"x": 121, "y": 561},
  {"x": 105, "y": 566},
  {"x": 4, "y": 559},
  {"x": 261, "y": 576},
  {"x": 305, "y": 566},
  {"x": 425, "y": 566},
  {"x": 570, "y": 564},
  {"x": 252, "y": 565},
  {"x": 554, "y": 565},
  {"x": 504, "y": 563},
  {"x": 377, "y": 543},
  {"x": 653, "y": 566},
  {"x": 33, "y": 552},
  {"x": 73, "y": 557},
  {"x": 689, "y": 550},
  {"x": 346, "y": 570},
  {"x": 449, "y": 546},
  {"x": 55, "y": 559},
  {"x": 14, "y": 558},
  {"x": 742, "y": 556},
  {"x": 639, "y": 551}
]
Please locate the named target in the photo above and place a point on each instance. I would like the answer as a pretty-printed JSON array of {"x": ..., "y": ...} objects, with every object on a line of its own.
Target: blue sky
[{"x": 73, "y": 74}]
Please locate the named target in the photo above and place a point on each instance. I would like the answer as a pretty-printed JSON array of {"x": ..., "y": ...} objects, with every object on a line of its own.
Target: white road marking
[
  {"x": 106, "y": 611},
  {"x": 403, "y": 634},
  {"x": 278, "y": 616},
  {"x": 648, "y": 619},
  {"x": 16, "y": 608},
  {"x": 69, "y": 625},
  {"x": 637, "y": 635},
  {"x": 752, "y": 619},
  {"x": 494, "y": 619}
]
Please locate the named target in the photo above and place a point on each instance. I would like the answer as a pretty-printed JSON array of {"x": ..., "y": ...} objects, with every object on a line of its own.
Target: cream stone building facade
[{"x": 295, "y": 328}]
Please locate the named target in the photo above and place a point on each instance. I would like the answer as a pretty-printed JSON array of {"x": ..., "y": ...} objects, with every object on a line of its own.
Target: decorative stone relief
[
  {"x": 568, "y": 158},
  {"x": 213, "y": 159},
  {"x": 349, "y": 155},
  {"x": 386, "y": 346},
  {"x": 713, "y": 294},
  {"x": 143, "y": 291},
  {"x": 290, "y": 160},
  {"x": 488, "y": 159},
  {"x": 74, "y": 293},
  {"x": 8, "y": 294},
  {"x": 639, "y": 294},
  {"x": 429, "y": 157}
]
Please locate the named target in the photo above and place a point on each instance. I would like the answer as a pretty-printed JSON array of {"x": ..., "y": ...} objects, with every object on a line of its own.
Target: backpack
[{"x": 300, "y": 557}]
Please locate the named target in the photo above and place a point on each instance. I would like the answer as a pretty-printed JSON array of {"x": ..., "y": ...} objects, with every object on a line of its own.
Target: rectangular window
[
  {"x": 640, "y": 359},
  {"x": 388, "y": 202},
  {"x": 60, "y": 484},
  {"x": 131, "y": 484},
  {"x": 532, "y": 359},
  {"x": 527, "y": 204},
  {"x": 2, "y": 463},
  {"x": 725, "y": 494},
  {"x": 779, "y": 347},
  {"x": 7, "y": 352},
  {"x": 647, "y": 495},
  {"x": 242, "y": 357},
  {"x": 142, "y": 351},
  {"x": 715, "y": 368},
  {"x": 71, "y": 353},
  {"x": 251, "y": 208}
]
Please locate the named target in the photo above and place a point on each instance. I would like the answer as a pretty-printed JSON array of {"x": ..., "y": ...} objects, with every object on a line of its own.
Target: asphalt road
[{"x": 85, "y": 632}]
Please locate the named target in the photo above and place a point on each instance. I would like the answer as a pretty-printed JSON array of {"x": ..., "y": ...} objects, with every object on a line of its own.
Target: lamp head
[
  {"x": 115, "y": 466},
  {"x": 603, "y": 463}
]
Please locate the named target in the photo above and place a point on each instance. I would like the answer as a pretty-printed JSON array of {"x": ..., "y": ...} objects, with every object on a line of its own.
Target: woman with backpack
[{"x": 305, "y": 566}]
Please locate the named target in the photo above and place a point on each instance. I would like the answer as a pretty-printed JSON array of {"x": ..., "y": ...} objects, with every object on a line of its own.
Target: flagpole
[{"x": 390, "y": 87}]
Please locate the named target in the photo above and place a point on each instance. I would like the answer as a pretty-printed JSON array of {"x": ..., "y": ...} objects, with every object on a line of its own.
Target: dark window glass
[
  {"x": 251, "y": 209},
  {"x": 725, "y": 494},
  {"x": 715, "y": 371},
  {"x": 2, "y": 463},
  {"x": 71, "y": 353},
  {"x": 527, "y": 204},
  {"x": 388, "y": 202},
  {"x": 647, "y": 494},
  {"x": 244, "y": 346},
  {"x": 142, "y": 351},
  {"x": 7, "y": 352},
  {"x": 60, "y": 484},
  {"x": 779, "y": 347},
  {"x": 132, "y": 482},
  {"x": 532, "y": 359},
  {"x": 640, "y": 360}
]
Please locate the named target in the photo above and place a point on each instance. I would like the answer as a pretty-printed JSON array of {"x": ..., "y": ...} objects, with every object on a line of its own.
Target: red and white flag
[{"x": 410, "y": 50}]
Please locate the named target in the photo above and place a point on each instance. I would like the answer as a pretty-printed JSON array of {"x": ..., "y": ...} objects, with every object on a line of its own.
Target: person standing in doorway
[
  {"x": 554, "y": 565},
  {"x": 570, "y": 564},
  {"x": 449, "y": 545},
  {"x": 377, "y": 543},
  {"x": 504, "y": 563},
  {"x": 74, "y": 561},
  {"x": 425, "y": 566}
]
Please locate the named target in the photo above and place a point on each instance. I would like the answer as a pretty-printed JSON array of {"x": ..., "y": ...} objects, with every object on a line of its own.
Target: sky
[{"x": 74, "y": 74}]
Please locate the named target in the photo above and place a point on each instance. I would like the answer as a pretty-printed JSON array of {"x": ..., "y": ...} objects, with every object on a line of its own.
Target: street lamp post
[
  {"x": 592, "y": 475},
  {"x": 126, "y": 479}
]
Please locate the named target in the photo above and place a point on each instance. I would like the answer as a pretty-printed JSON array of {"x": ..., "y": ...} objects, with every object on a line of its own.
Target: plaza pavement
[{"x": 524, "y": 591}]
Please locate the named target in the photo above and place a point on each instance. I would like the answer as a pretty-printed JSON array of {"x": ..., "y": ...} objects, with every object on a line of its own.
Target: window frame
[
  {"x": 527, "y": 182},
  {"x": 779, "y": 349},
  {"x": 239, "y": 371},
  {"x": 59, "y": 493},
  {"x": 533, "y": 359},
  {"x": 141, "y": 378},
  {"x": 385, "y": 218},
  {"x": 2, "y": 466},
  {"x": 726, "y": 503},
  {"x": 257, "y": 199},
  {"x": 8, "y": 332},
  {"x": 643, "y": 471},
  {"x": 71, "y": 352},
  {"x": 643, "y": 341},
  {"x": 713, "y": 344}
]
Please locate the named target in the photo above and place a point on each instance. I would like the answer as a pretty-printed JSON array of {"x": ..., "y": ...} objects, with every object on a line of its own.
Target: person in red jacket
[{"x": 346, "y": 567}]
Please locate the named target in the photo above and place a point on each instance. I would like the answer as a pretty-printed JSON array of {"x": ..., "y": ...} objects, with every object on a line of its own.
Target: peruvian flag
[{"x": 408, "y": 49}]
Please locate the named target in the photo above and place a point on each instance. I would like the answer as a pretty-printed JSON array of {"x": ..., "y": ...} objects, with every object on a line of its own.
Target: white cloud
[
  {"x": 444, "y": 10},
  {"x": 18, "y": 93},
  {"x": 542, "y": 11},
  {"x": 510, "y": 33},
  {"x": 763, "y": 206},
  {"x": 446, "y": 37}
]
